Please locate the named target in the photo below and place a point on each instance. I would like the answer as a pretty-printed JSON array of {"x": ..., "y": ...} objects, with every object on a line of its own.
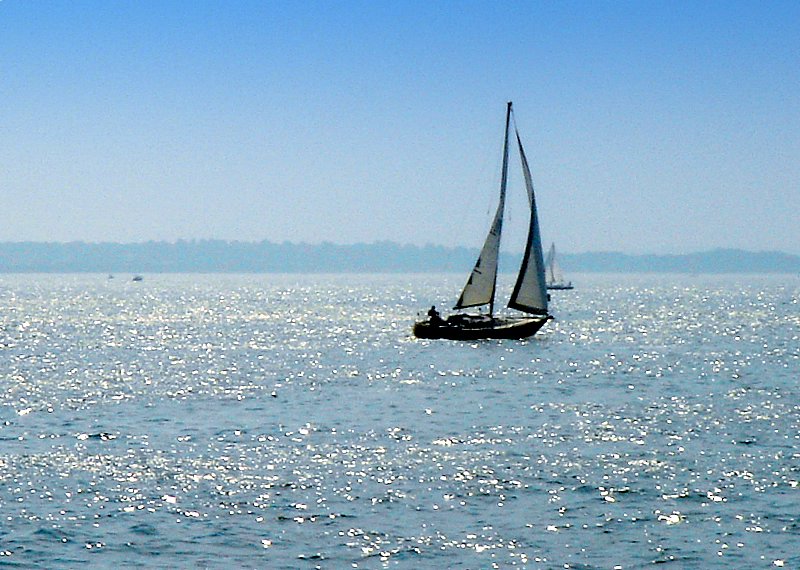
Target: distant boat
[
  {"x": 138, "y": 278},
  {"x": 555, "y": 278},
  {"x": 530, "y": 293}
]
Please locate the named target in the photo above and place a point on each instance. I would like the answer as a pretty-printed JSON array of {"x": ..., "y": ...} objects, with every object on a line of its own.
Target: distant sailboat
[
  {"x": 555, "y": 278},
  {"x": 530, "y": 293}
]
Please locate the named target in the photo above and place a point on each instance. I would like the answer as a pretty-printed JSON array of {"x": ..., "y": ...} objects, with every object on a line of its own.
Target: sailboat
[
  {"x": 530, "y": 293},
  {"x": 555, "y": 278}
]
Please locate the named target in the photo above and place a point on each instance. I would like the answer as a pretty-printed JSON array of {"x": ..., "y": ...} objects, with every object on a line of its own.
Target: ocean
[{"x": 292, "y": 421}]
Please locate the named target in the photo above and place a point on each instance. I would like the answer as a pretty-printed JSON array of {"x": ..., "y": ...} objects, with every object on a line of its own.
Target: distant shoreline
[{"x": 217, "y": 256}]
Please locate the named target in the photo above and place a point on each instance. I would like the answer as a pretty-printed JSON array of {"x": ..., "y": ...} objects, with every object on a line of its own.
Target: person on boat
[{"x": 433, "y": 314}]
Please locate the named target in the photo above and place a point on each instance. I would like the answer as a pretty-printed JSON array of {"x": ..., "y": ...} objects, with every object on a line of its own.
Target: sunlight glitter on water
[{"x": 286, "y": 421}]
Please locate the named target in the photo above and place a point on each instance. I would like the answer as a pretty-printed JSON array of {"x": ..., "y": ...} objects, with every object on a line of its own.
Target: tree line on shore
[{"x": 218, "y": 256}]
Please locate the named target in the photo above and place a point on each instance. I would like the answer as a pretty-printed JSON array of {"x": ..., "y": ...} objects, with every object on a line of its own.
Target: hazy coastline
[{"x": 217, "y": 256}]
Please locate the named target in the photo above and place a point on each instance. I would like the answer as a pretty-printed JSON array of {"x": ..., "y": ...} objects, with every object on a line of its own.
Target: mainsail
[
  {"x": 481, "y": 284},
  {"x": 530, "y": 292}
]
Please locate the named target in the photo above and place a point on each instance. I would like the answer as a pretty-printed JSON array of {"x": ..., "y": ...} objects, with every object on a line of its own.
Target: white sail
[
  {"x": 480, "y": 286},
  {"x": 530, "y": 291},
  {"x": 553, "y": 270},
  {"x": 555, "y": 277},
  {"x": 548, "y": 262}
]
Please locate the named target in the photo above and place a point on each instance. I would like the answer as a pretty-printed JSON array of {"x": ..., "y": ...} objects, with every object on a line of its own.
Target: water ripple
[{"x": 292, "y": 421}]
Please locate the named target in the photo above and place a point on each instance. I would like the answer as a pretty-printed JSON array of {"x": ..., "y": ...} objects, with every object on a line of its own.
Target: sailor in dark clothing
[{"x": 436, "y": 318}]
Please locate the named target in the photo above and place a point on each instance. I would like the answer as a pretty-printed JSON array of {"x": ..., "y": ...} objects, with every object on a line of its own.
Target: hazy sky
[{"x": 665, "y": 127}]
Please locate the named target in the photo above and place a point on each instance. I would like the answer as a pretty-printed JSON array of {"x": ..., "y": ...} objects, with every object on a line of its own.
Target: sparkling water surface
[{"x": 267, "y": 421}]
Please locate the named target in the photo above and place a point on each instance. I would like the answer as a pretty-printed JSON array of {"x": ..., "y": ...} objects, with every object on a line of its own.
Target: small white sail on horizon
[{"x": 555, "y": 277}]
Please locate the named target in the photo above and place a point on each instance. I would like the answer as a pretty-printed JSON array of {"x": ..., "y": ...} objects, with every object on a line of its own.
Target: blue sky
[{"x": 665, "y": 127}]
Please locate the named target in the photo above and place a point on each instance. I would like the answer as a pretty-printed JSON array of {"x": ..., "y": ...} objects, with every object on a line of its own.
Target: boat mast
[{"x": 503, "y": 183}]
